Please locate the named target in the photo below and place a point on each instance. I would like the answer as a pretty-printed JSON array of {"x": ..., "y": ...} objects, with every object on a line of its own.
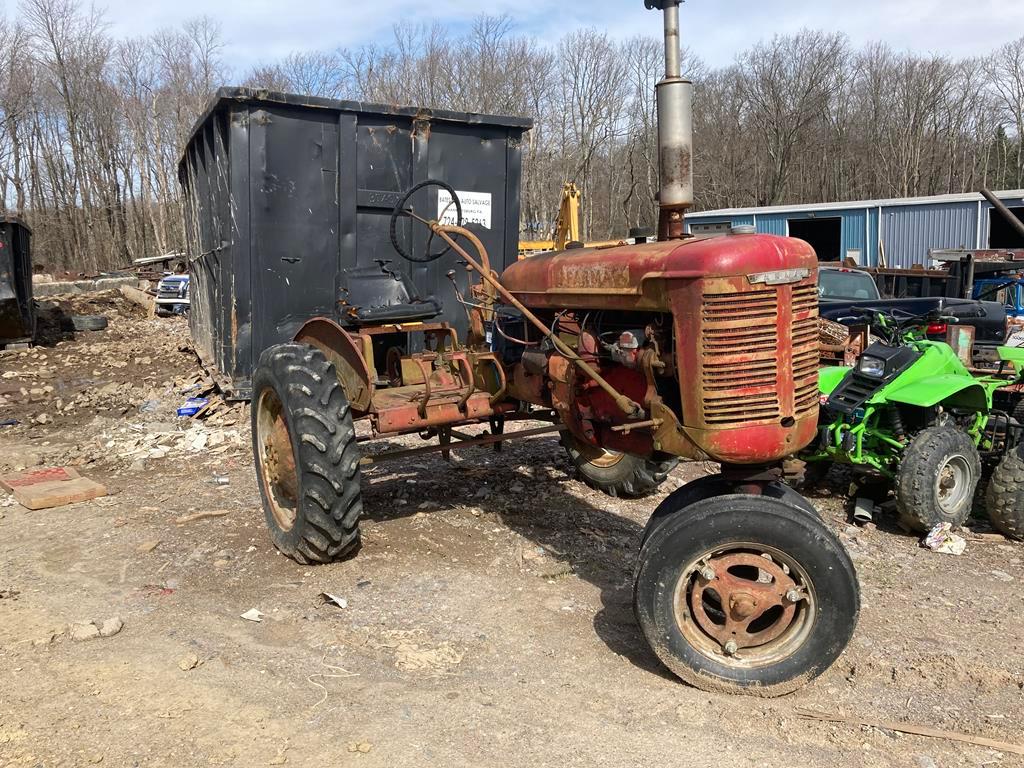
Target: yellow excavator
[{"x": 567, "y": 227}]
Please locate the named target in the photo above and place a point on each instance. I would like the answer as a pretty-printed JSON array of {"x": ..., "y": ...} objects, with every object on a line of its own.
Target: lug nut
[
  {"x": 707, "y": 573},
  {"x": 794, "y": 596},
  {"x": 730, "y": 647}
]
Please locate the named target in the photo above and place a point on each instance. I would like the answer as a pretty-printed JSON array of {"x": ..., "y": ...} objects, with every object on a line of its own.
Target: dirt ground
[{"x": 488, "y": 617}]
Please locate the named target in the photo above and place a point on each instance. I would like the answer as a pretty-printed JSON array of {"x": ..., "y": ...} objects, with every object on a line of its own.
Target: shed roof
[{"x": 969, "y": 197}]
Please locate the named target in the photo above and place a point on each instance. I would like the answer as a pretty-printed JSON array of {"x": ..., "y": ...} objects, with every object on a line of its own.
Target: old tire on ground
[
  {"x": 716, "y": 485},
  {"x": 617, "y": 474},
  {"x": 745, "y": 594},
  {"x": 1004, "y": 499},
  {"x": 937, "y": 479},
  {"x": 307, "y": 460},
  {"x": 89, "y": 322}
]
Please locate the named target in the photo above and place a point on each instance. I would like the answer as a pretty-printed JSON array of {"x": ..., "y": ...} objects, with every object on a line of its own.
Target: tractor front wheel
[
  {"x": 745, "y": 594},
  {"x": 617, "y": 474},
  {"x": 716, "y": 485},
  {"x": 307, "y": 461},
  {"x": 937, "y": 478}
]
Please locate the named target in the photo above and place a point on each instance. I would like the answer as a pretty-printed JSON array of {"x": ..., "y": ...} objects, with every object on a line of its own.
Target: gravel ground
[{"x": 488, "y": 617}]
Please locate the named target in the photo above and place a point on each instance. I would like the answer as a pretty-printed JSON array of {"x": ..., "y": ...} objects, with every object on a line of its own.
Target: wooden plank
[
  {"x": 36, "y": 476},
  {"x": 57, "y": 493}
]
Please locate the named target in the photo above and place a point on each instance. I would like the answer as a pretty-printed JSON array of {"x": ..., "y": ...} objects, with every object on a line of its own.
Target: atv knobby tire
[
  {"x": 1005, "y": 497},
  {"x": 758, "y": 551},
  {"x": 617, "y": 474},
  {"x": 937, "y": 478},
  {"x": 307, "y": 461}
]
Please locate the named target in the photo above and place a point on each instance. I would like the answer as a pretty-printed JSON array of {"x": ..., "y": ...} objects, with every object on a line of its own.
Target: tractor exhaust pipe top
[
  {"x": 637, "y": 356},
  {"x": 675, "y": 130}
]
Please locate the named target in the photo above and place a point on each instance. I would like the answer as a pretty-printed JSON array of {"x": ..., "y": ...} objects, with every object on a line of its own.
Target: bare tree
[{"x": 92, "y": 128}]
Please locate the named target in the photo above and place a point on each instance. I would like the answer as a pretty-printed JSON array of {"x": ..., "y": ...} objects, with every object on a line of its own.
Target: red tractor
[{"x": 688, "y": 347}]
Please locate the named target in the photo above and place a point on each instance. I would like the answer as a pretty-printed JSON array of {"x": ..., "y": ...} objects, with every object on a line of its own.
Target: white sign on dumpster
[{"x": 476, "y": 208}]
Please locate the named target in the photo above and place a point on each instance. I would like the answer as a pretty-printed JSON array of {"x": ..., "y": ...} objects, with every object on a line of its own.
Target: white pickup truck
[{"x": 172, "y": 295}]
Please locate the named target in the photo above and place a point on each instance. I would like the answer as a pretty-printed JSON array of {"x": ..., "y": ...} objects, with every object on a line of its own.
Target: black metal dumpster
[
  {"x": 283, "y": 194},
  {"x": 17, "y": 311}
]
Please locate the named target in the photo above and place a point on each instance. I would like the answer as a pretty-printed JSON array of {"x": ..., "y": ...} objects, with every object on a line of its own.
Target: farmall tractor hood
[
  {"x": 744, "y": 312},
  {"x": 637, "y": 276}
]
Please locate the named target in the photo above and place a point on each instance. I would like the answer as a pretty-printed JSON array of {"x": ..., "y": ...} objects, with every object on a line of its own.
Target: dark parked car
[{"x": 842, "y": 290}]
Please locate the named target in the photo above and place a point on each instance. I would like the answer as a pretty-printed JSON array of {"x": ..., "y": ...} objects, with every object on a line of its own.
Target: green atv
[{"x": 911, "y": 412}]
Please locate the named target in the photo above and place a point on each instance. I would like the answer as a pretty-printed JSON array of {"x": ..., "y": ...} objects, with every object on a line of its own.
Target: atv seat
[{"x": 375, "y": 295}]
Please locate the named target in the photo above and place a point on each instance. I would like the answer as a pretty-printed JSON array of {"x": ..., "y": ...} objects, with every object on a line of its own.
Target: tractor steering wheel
[{"x": 401, "y": 210}]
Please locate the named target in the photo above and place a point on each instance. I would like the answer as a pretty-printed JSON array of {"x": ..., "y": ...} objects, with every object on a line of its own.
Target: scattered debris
[
  {"x": 89, "y": 322},
  {"x": 83, "y": 631},
  {"x": 147, "y": 546},
  {"x": 915, "y": 730},
  {"x": 111, "y": 627},
  {"x": 863, "y": 510},
  {"x": 363, "y": 747},
  {"x": 253, "y": 614},
  {"x": 201, "y": 516},
  {"x": 35, "y": 476},
  {"x": 327, "y": 597},
  {"x": 220, "y": 480},
  {"x": 58, "y": 493},
  {"x": 340, "y": 672},
  {"x": 193, "y": 406},
  {"x": 941, "y": 539},
  {"x": 9, "y": 594}
]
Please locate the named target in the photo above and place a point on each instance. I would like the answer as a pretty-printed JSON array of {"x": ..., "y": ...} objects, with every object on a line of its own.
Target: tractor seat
[{"x": 375, "y": 295}]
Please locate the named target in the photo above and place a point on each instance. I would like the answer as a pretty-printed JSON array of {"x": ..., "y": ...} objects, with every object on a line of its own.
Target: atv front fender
[
  {"x": 1014, "y": 355},
  {"x": 830, "y": 376},
  {"x": 955, "y": 391}
]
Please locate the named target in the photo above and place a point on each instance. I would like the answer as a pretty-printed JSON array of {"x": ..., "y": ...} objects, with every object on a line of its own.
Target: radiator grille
[
  {"x": 805, "y": 348},
  {"x": 740, "y": 356}
]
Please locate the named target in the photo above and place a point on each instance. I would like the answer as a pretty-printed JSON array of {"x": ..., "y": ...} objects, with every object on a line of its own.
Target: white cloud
[{"x": 258, "y": 30}]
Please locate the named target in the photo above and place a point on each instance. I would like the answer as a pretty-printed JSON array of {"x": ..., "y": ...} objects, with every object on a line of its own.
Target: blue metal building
[{"x": 910, "y": 227}]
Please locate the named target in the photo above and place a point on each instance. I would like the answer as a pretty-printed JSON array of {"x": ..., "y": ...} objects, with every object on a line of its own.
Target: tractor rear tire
[
  {"x": 307, "y": 460},
  {"x": 746, "y": 594},
  {"x": 1005, "y": 497},
  {"x": 937, "y": 479},
  {"x": 617, "y": 474},
  {"x": 716, "y": 485}
]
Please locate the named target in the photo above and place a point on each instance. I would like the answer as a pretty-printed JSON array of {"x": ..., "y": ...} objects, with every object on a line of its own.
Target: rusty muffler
[{"x": 675, "y": 130}]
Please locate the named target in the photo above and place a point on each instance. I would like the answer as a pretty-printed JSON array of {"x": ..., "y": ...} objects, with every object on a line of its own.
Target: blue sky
[{"x": 258, "y": 30}]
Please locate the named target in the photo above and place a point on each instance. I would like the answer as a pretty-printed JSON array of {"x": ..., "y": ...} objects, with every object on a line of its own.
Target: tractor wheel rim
[
  {"x": 953, "y": 484},
  {"x": 278, "y": 474},
  {"x": 757, "y": 610},
  {"x": 607, "y": 459}
]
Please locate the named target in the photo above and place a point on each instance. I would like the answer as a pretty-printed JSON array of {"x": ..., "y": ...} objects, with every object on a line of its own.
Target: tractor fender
[
  {"x": 830, "y": 377},
  {"x": 340, "y": 348},
  {"x": 948, "y": 389}
]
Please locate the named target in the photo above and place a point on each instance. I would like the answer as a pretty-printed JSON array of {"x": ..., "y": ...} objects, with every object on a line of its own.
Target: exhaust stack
[{"x": 675, "y": 130}]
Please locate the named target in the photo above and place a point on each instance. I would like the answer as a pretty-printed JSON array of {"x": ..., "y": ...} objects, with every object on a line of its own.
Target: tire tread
[{"x": 327, "y": 457}]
